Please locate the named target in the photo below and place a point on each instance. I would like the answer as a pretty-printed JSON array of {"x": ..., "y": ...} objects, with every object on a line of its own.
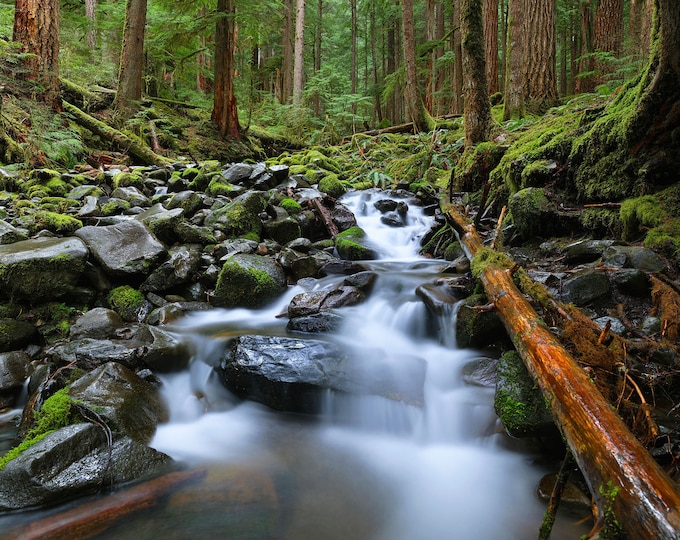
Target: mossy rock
[
  {"x": 478, "y": 328},
  {"x": 518, "y": 401},
  {"x": 127, "y": 179},
  {"x": 332, "y": 185},
  {"x": 241, "y": 217},
  {"x": 128, "y": 302},
  {"x": 250, "y": 281},
  {"x": 473, "y": 168},
  {"x": 352, "y": 245},
  {"x": 15, "y": 335},
  {"x": 114, "y": 207},
  {"x": 638, "y": 213},
  {"x": 291, "y": 206},
  {"x": 533, "y": 214}
]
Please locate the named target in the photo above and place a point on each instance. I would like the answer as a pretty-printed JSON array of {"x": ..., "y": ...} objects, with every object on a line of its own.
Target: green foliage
[
  {"x": 331, "y": 185},
  {"x": 52, "y": 221},
  {"x": 638, "y": 213},
  {"x": 291, "y": 206},
  {"x": 125, "y": 299}
]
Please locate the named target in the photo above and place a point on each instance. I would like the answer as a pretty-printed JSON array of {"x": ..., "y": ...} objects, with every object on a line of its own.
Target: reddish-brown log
[
  {"x": 609, "y": 455},
  {"x": 93, "y": 518}
]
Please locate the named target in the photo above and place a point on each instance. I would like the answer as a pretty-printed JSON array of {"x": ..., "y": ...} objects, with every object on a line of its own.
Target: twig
[
  {"x": 499, "y": 227},
  {"x": 555, "y": 497}
]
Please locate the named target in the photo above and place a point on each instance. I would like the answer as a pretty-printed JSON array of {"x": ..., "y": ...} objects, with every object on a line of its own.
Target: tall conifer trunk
[
  {"x": 132, "y": 56},
  {"x": 415, "y": 108},
  {"x": 36, "y": 27},
  {"x": 225, "y": 110}
]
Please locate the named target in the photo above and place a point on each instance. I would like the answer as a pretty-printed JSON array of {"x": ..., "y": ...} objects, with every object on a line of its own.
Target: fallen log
[
  {"x": 621, "y": 474},
  {"x": 93, "y": 518},
  {"x": 132, "y": 145}
]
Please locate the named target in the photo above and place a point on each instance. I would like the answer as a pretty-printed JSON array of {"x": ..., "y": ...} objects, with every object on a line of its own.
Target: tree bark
[
  {"x": 609, "y": 456},
  {"x": 225, "y": 109},
  {"x": 36, "y": 27},
  {"x": 477, "y": 111},
  {"x": 585, "y": 83},
  {"x": 541, "y": 89},
  {"x": 287, "y": 50},
  {"x": 299, "y": 53},
  {"x": 608, "y": 34},
  {"x": 514, "y": 86},
  {"x": 132, "y": 56},
  {"x": 317, "y": 53},
  {"x": 458, "y": 60},
  {"x": 415, "y": 108},
  {"x": 491, "y": 43},
  {"x": 135, "y": 147},
  {"x": 91, "y": 15}
]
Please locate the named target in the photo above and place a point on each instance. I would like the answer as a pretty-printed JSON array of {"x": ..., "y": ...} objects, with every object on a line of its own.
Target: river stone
[
  {"x": 352, "y": 244},
  {"x": 294, "y": 375},
  {"x": 16, "y": 334},
  {"x": 182, "y": 265},
  {"x": 585, "y": 286},
  {"x": 241, "y": 216},
  {"x": 572, "y": 496},
  {"x": 72, "y": 462},
  {"x": 631, "y": 281},
  {"x": 638, "y": 257},
  {"x": 343, "y": 217},
  {"x": 88, "y": 353},
  {"x": 532, "y": 213},
  {"x": 190, "y": 233},
  {"x": 441, "y": 295},
  {"x": 97, "y": 323},
  {"x": 317, "y": 322},
  {"x": 518, "y": 402},
  {"x": 189, "y": 201},
  {"x": 248, "y": 280},
  {"x": 132, "y": 195},
  {"x": 585, "y": 251},
  {"x": 478, "y": 328},
  {"x": 283, "y": 229},
  {"x": 10, "y": 234},
  {"x": 238, "y": 173},
  {"x": 342, "y": 267},
  {"x": 124, "y": 249},
  {"x": 164, "y": 351},
  {"x": 363, "y": 281},
  {"x": 128, "y": 403},
  {"x": 161, "y": 222},
  {"x": 41, "y": 268},
  {"x": 309, "y": 303},
  {"x": 14, "y": 367}
]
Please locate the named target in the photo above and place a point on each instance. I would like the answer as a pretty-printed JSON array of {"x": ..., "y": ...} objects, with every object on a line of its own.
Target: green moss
[
  {"x": 665, "y": 237},
  {"x": 247, "y": 287},
  {"x": 54, "y": 222},
  {"x": 291, "y": 206},
  {"x": 113, "y": 207},
  {"x": 54, "y": 414},
  {"x": 351, "y": 245},
  {"x": 487, "y": 256},
  {"x": 638, "y": 213},
  {"x": 601, "y": 221},
  {"x": 125, "y": 298},
  {"x": 127, "y": 179},
  {"x": 219, "y": 186},
  {"x": 331, "y": 185},
  {"x": 611, "y": 526}
]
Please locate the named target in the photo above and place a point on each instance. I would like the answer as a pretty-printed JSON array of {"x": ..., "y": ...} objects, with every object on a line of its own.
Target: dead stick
[
  {"x": 499, "y": 227},
  {"x": 556, "y": 497}
]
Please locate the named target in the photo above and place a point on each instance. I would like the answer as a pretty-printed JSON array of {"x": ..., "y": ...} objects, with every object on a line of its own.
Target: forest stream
[{"x": 369, "y": 467}]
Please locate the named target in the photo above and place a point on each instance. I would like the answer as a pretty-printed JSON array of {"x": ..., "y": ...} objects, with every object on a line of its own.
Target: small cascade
[{"x": 371, "y": 467}]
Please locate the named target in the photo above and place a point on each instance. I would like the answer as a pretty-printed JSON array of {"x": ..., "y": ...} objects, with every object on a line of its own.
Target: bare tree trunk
[
  {"x": 225, "y": 110},
  {"x": 132, "y": 56},
  {"x": 374, "y": 57},
  {"x": 586, "y": 64},
  {"x": 514, "y": 86},
  {"x": 287, "y": 49},
  {"x": 91, "y": 15},
  {"x": 36, "y": 27},
  {"x": 503, "y": 64},
  {"x": 608, "y": 34},
  {"x": 458, "y": 60},
  {"x": 299, "y": 53},
  {"x": 541, "y": 90},
  {"x": 317, "y": 52},
  {"x": 353, "y": 55},
  {"x": 477, "y": 111},
  {"x": 491, "y": 43},
  {"x": 414, "y": 103}
]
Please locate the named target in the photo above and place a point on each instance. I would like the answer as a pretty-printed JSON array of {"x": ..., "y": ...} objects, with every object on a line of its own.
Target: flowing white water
[{"x": 370, "y": 468}]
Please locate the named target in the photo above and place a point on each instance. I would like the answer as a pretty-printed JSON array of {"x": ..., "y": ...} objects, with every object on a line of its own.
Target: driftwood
[
  {"x": 93, "y": 518},
  {"x": 326, "y": 216},
  {"x": 620, "y": 472},
  {"x": 134, "y": 146}
]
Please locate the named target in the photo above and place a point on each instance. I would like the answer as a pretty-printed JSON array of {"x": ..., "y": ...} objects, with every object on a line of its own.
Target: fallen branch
[
  {"x": 648, "y": 501},
  {"x": 326, "y": 216},
  {"x": 95, "y": 517},
  {"x": 135, "y": 147}
]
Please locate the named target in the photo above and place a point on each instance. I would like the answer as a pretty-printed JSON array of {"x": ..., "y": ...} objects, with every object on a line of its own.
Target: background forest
[{"x": 350, "y": 71}]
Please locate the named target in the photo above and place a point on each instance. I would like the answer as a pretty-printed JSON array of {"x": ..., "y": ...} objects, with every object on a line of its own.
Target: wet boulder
[
  {"x": 16, "y": 334},
  {"x": 10, "y": 234},
  {"x": 638, "y": 257},
  {"x": 71, "y": 462},
  {"x": 97, "y": 323},
  {"x": 518, "y": 402},
  {"x": 43, "y": 268},
  {"x": 295, "y": 375},
  {"x": 162, "y": 222},
  {"x": 282, "y": 229},
  {"x": 353, "y": 245},
  {"x": 181, "y": 266},
  {"x": 477, "y": 326},
  {"x": 124, "y": 249},
  {"x": 89, "y": 353},
  {"x": 310, "y": 303},
  {"x": 249, "y": 280},
  {"x": 129, "y": 404},
  {"x": 240, "y": 217},
  {"x": 14, "y": 369},
  {"x": 586, "y": 286},
  {"x": 317, "y": 322},
  {"x": 533, "y": 214}
]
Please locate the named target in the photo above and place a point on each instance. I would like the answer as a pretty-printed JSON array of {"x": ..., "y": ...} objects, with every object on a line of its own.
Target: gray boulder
[
  {"x": 41, "y": 268},
  {"x": 124, "y": 249},
  {"x": 128, "y": 403},
  {"x": 10, "y": 234},
  {"x": 72, "y": 462},
  {"x": 294, "y": 375},
  {"x": 97, "y": 323},
  {"x": 586, "y": 286}
]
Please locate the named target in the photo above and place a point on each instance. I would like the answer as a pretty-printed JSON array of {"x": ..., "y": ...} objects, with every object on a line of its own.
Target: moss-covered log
[
  {"x": 619, "y": 470},
  {"x": 134, "y": 146}
]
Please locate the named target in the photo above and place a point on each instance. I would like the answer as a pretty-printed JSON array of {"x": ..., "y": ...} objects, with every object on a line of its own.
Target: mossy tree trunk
[{"x": 477, "y": 109}]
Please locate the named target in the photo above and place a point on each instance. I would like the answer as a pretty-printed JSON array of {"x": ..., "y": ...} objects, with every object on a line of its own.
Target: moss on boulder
[
  {"x": 248, "y": 280},
  {"x": 352, "y": 245}
]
